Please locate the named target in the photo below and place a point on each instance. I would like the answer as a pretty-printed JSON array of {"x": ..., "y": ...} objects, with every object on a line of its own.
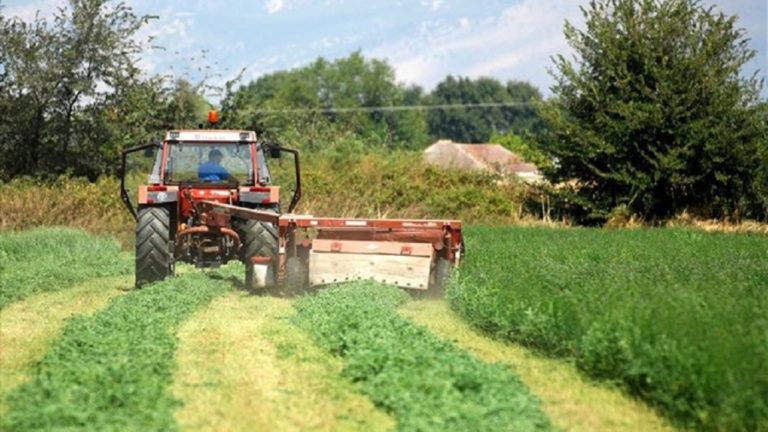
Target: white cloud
[
  {"x": 274, "y": 6},
  {"x": 517, "y": 44},
  {"x": 433, "y": 5},
  {"x": 167, "y": 41}
]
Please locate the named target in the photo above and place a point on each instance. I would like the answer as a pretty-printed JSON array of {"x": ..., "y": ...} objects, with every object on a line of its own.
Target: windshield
[{"x": 209, "y": 163}]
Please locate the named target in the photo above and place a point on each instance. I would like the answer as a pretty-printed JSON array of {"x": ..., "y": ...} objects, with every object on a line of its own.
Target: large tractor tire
[
  {"x": 259, "y": 239},
  {"x": 153, "y": 235}
]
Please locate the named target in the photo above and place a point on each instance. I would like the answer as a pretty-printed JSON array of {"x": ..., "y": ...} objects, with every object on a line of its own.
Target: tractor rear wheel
[
  {"x": 259, "y": 239},
  {"x": 153, "y": 235}
]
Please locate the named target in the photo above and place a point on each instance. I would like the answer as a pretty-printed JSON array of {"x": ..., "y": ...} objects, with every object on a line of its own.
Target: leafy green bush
[
  {"x": 48, "y": 259},
  {"x": 677, "y": 317},
  {"x": 399, "y": 184},
  {"x": 427, "y": 383},
  {"x": 110, "y": 371}
]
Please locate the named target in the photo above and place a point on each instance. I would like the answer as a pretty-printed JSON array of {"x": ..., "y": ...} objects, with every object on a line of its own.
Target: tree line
[
  {"x": 651, "y": 117},
  {"x": 361, "y": 96}
]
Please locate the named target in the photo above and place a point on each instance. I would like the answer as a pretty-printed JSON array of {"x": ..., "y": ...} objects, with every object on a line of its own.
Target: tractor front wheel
[{"x": 153, "y": 234}]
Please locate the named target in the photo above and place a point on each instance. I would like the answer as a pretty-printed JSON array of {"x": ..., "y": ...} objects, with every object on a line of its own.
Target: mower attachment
[{"x": 408, "y": 253}]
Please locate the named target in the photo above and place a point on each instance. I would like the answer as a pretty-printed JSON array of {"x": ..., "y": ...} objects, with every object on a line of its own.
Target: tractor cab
[{"x": 210, "y": 158}]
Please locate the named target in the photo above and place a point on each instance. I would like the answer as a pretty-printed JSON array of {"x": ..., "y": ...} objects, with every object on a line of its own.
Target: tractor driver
[{"x": 212, "y": 170}]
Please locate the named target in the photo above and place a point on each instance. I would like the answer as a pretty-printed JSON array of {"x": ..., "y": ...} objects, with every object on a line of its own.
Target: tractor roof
[{"x": 208, "y": 135}]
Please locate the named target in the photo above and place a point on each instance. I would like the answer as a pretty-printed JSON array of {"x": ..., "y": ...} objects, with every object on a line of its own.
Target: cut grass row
[
  {"x": 28, "y": 327},
  {"x": 112, "y": 370},
  {"x": 49, "y": 259},
  {"x": 424, "y": 382},
  {"x": 573, "y": 402},
  {"x": 676, "y": 317},
  {"x": 243, "y": 366}
]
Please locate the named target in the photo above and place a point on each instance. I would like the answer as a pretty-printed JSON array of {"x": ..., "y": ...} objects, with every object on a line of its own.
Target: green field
[
  {"x": 675, "y": 317},
  {"x": 47, "y": 259}
]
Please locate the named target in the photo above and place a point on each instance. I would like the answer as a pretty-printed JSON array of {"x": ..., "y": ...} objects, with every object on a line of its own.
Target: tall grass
[
  {"x": 73, "y": 202},
  {"x": 401, "y": 185},
  {"x": 48, "y": 259},
  {"x": 677, "y": 317},
  {"x": 425, "y": 382},
  {"x": 373, "y": 184},
  {"x": 112, "y": 370}
]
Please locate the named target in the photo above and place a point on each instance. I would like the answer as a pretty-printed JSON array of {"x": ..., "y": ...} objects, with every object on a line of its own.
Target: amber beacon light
[{"x": 213, "y": 116}]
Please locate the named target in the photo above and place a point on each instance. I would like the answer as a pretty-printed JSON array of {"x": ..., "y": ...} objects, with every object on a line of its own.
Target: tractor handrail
[
  {"x": 123, "y": 192},
  {"x": 297, "y": 167}
]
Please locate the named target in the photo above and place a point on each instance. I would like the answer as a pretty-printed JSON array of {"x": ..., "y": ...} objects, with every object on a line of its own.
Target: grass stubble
[
  {"x": 573, "y": 402},
  {"x": 243, "y": 366},
  {"x": 29, "y": 327},
  {"x": 424, "y": 382},
  {"x": 112, "y": 370}
]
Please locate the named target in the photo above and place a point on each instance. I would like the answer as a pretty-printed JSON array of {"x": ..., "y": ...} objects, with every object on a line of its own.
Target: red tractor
[{"x": 209, "y": 200}]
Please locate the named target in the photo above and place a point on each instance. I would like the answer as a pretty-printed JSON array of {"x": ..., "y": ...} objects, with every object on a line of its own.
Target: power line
[{"x": 392, "y": 108}]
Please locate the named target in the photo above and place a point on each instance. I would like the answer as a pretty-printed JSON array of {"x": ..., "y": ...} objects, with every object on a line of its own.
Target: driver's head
[{"x": 215, "y": 156}]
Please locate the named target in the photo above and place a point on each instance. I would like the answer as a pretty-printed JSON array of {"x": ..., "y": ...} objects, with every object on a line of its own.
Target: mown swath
[
  {"x": 425, "y": 382},
  {"x": 242, "y": 366},
  {"x": 573, "y": 403},
  {"x": 110, "y": 371}
]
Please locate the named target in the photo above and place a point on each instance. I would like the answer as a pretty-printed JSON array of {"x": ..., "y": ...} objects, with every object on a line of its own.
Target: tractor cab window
[{"x": 215, "y": 163}]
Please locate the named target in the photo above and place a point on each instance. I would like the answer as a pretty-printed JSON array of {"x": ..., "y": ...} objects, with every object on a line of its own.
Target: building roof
[{"x": 492, "y": 158}]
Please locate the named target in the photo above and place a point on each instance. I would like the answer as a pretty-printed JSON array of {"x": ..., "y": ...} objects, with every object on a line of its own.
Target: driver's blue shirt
[{"x": 212, "y": 171}]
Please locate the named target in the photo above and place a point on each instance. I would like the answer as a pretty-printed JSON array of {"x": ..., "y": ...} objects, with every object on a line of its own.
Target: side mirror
[
  {"x": 150, "y": 151},
  {"x": 273, "y": 150}
]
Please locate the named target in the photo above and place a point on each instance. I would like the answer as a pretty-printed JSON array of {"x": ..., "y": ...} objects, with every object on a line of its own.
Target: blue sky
[{"x": 424, "y": 40}]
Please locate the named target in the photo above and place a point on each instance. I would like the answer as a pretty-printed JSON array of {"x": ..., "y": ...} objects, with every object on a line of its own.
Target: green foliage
[
  {"x": 110, "y": 371},
  {"x": 336, "y": 182},
  {"x": 476, "y": 125},
  {"x": 72, "y": 97},
  {"x": 340, "y": 182},
  {"x": 426, "y": 383},
  {"x": 653, "y": 113},
  {"x": 677, "y": 317},
  {"x": 284, "y": 105},
  {"x": 49, "y": 259},
  {"x": 56, "y": 76}
]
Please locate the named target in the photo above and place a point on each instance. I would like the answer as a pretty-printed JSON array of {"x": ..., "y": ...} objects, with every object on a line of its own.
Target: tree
[
  {"x": 326, "y": 98},
  {"x": 652, "y": 113},
  {"x": 56, "y": 75},
  {"x": 477, "y": 124}
]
